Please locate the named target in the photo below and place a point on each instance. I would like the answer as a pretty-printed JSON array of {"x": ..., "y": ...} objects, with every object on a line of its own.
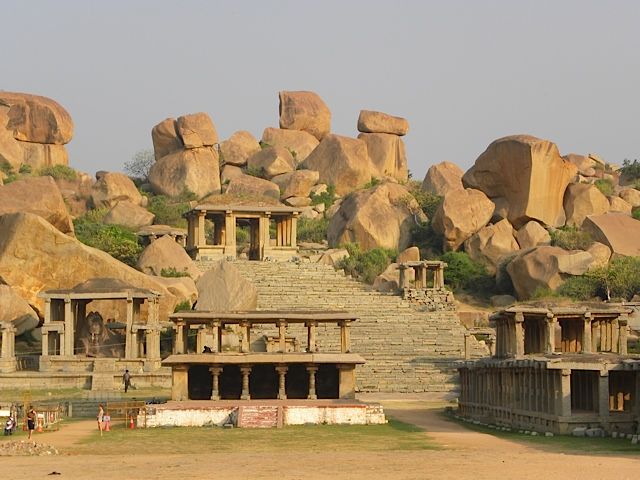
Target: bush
[
  {"x": 464, "y": 273},
  {"x": 171, "y": 272},
  {"x": 139, "y": 165},
  {"x": 327, "y": 197},
  {"x": 372, "y": 183},
  {"x": 636, "y": 213},
  {"x": 312, "y": 230},
  {"x": 582, "y": 288},
  {"x": 118, "y": 241},
  {"x": 25, "y": 169},
  {"x": 620, "y": 279},
  {"x": 366, "y": 266},
  {"x": 571, "y": 238},
  {"x": 630, "y": 170},
  {"x": 605, "y": 186},
  {"x": 183, "y": 306},
  {"x": 59, "y": 172},
  {"x": 169, "y": 211},
  {"x": 429, "y": 202}
]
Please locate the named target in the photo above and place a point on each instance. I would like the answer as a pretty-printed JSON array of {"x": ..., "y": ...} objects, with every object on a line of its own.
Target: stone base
[{"x": 8, "y": 365}]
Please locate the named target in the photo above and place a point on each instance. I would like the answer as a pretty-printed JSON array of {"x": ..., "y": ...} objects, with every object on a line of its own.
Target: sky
[{"x": 462, "y": 72}]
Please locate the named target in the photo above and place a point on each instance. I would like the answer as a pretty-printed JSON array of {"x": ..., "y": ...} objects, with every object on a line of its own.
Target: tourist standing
[
  {"x": 31, "y": 421},
  {"x": 100, "y": 418},
  {"x": 126, "y": 379}
]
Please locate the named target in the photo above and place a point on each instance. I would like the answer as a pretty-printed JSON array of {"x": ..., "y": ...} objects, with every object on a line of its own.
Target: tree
[{"x": 140, "y": 164}]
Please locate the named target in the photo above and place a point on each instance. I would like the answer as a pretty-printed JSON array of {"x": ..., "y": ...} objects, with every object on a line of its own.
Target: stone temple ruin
[{"x": 559, "y": 370}]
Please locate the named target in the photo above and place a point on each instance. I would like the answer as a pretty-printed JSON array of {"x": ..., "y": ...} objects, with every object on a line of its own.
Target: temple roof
[{"x": 101, "y": 287}]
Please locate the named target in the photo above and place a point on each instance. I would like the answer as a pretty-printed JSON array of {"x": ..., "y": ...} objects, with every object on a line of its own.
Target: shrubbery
[
  {"x": 464, "y": 273},
  {"x": 59, "y": 172},
  {"x": 605, "y": 186},
  {"x": 327, "y": 197},
  {"x": 367, "y": 265},
  {"x": 312, "y": 230},
  {"x": 571, "y": 238},
  {"x": 169, "y": 211},
  {"x": 171, "y": 272}
]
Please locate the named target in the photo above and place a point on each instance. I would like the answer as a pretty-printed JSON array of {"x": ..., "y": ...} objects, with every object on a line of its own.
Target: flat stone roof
[
  {"x": 561, "y": 361},
  {"x": 211, "y": 207},
  {"x": 100, "y": 288},
  {"x": 264, "y": 316},
  {"x": 236, "y": 358}
]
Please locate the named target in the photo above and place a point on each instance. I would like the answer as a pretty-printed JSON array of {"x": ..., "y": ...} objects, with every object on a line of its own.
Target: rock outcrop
[
  {"x": 237, "y": 149},
  {"x": 387, "y": 155},
  {"x": 196, "y": 130},
  {"x": 299, "y": 143},
  {"x": 305, "y": 111},
  {"x": 128, "y": 214},
  {"x": 252, "y": 187},
  {"x": 619, "y": 232},
  {"x": 491, "y": 243},
  {"x": 443, "y": 177},
  {"x": 296, "y": 184},
  {"x": 381, "y": 216},
  {"x": 224, "y": 289},
  {"x": 461, "y": 214},
  {"x": 14, "y": 309},
  {"x": 114, "y": 187},
  {"x": 272, "y": 161},
  {"x": 535, "y": 268},
  {"x": 581, "y": 200},
  {"x": 532, "y": 234},
  {"x": 378, "y": 122},
  {"x": 526, "y": 177},
  {"x": 165, "y": 254}
]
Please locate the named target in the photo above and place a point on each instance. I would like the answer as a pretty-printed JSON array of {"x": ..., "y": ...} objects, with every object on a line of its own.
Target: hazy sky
[{"x": 462, "y": 72}]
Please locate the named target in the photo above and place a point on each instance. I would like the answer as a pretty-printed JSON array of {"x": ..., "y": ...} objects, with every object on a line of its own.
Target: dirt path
[{"x": 465, "y": 454}]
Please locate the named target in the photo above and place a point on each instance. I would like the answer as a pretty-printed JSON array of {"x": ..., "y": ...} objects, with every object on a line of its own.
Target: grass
[
  {"x": 558, "y": 443},
  {"x": 394, "y": 435},
  {"x": 51, "y": 395}
]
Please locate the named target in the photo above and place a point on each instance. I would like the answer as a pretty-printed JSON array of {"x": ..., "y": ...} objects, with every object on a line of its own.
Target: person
[
  {"x": 100, "y": 418},
  {"x": 31, "y": 421},
  {"x": 126, "y": 379},
  {"x": 9, "y": 426}
]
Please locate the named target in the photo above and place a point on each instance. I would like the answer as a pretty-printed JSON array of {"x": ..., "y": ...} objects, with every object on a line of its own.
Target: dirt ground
[{"x": 463, "y": 454}]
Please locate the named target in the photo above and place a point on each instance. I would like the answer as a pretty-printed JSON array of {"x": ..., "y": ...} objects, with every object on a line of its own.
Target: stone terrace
[{"x": 407, "y": 350}]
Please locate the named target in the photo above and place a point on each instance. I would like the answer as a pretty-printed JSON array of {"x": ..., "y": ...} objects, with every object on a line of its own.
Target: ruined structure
[
  {"x": 427, "y": 287},
  {"x": 149, "y": 234},
  {"x": 555, "y": 370},
  {"x": 224, "y": 219}
]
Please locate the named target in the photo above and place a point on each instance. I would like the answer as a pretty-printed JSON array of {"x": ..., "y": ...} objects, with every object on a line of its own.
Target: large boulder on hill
[
  {"x": 461, "y": 214},
  {"x": 39, "y": 196},
  {"x": 183, "y": 288},
  {"x": 601, "y": 254},
  {"x": 196, "y": 130},
  {"x": 36, "y": 119},
  {"x": 224, "y": 289},
  {"x": 532, "y": 234},
  {"x": 443, "y": 177},
  {"x": 272, "y": 161},
  {"x": 378, "y": 122},
  {"x": 296, "y": 184},
  {"x": 128, "y": 214},
  {"x": 76, "y": 193},
  {"x": 526, "y": 176},
  {"x": 305, "y": 111},
  {"x": 34, "y": 256},
  {"x": 491, "y": 243},
  {"x": 333, "y": 256},
  {"x": 253, "y": 187},
  {"x": 631, "y": 196},
  {"x": 165, "y": 254},
  {"x": 583, "y": 163},
  {"x": 582, "y": 199},
  {"x": 165, "y": 138},
  {"x": 535, "y": 268},
  {"x": 237, "y": 149},
  {"x": 381, "y": 216},
  {"x": 195, "y": 170},
  {"x": 16, "y": 310},
  {"x": 38, "y": 155},
  {"x": 620, "y": 232},
  {"x": 387, "y": 155},
  {"x": 11, "y": 151},
  {"x": 302, "y": 143},
  {"x": 229, "y": 172},
  {"x": 411, "y": 254},
  {"x": 114, "y": 187},
  {"x": 617, "y": 204},
  {"x": 575, "y": 262},
  {"x": 342, "y": 162}
]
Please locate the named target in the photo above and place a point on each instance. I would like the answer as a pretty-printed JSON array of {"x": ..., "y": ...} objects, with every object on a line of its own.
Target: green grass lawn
[{"x": 392, "y": 436}]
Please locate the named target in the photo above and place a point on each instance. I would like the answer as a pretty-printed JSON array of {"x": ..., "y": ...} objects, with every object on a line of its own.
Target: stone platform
[{"x": 261, "y": 413}]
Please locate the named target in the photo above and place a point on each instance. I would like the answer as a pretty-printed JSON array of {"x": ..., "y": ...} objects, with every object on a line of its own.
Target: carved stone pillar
[
  {"x": 345, "y": 337},
  {"x": 603, "y": 398},
  {"x": 586, "y": 334},
  {"x": 550, "y": 334},
  {"x": 312, "y": 370},
  {"x": 282, "y": 334},
  {"x": 245, "y": 371},
  {"x": 8, "y": 361},
  {"x": 519, "y": 335},
  {"x": 311, "y": 337},
  {"x": 563, "y": 401},
  {"x": 215, "y": 382},
  {"x": 624, "y": 330},
  {"x": 179, "y": 383},
  {"x": 282, "y": 381},
  {"x": 179, "y": 344},
  {"x": 69, "y": 330}
]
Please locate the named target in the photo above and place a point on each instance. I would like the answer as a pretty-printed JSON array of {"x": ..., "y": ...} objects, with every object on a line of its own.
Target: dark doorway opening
[
  {"x": 230, "y": 383},
  {"x": 297, "y": 382},
  {"x": 200, "y": 385},
  {"x": 327, "y": 381},
  {"x": 263, "y": 382}
]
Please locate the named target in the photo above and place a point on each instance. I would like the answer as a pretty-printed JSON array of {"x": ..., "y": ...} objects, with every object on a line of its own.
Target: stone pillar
[
  {"x": 519, "y": 334},
  {"x": 345, "y": 337},
  {"x": 402, "y": 283},
  {"x": 8, "y": 361},
  {"x": 550, "y": 334},
  {"x": 603, "y": 398},
  {"x": 202, "y": 239},
  {"x": 245, "y": 346},
  {"x": 215, "y": 382},
  {"x": 200, "y": 339},
  {"x": 245, "y": 371},
  {"x": 179, "y": 383},
  {"x": 263, "y": 236},
  {"x": 586, "y": 334},
  {"x": 312, "y": 370},
  {"x": 563, "y": 399},
  {"x": 230, "y": 237},
  {"x": 282, "y": 381},
  {"x": 152, "y": 361},
  {"x": 311, "y": 337},
  {"x": 347, "y": 388},
  {"x": 45, "y": 343},
  {"x": 179, "y": 343},
  {"x": 624, "y": 330},
  {"x": 615, "y": 335},
  {"x": 282, "y": 334},
  {"x": 294, "y": 231},
  {"x": 467, "y": 346},
  {"x": 217, "y": 337},
  {"x": 130, "y": 343}
]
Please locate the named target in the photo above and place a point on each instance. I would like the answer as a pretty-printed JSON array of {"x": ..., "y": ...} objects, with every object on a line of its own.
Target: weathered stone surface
[
  {"x": 342, "y": 162},
  {"x": 11, "y": 152},
  {"x": 196, "y": 130},
  {"x": 574, "y": 263},
  {"x": 411, "y": 254},
  {"x": 309, "y": 212},
  {"x": 195, "y": 170},
  {"x": 631, "y": 196},
  {"x": 620, "y": 232},
  {"x": 491, "y": 243},
  {"x": 387, "y": 155},
  {"x": 296, "y": 184},
  {"x": 229, "y": 172},
  {"x": 333, "y": 256},
  {"x": 76, "y": 193},
  {"x": 528, "y": 173},
  {"x": 165, "y": 254},
  {"x": 34, "y": 256},
  {"x": 581, "y": 200},
  {"x": 38, "y": 155},
  {"x": 224, "y": 289},
  {"x": 600, "y": 253},
  {"x": 272, "y": 161},
  {"x": 333, "y": 209},
  {"x": 305, "y": 111},
  {"x": 247, "y": 185},
  {"x": 237, "y": 149},
  {"x": 535, "y": 268},
  {"x": 461, "y": 214},
  {"x": 532, "y": 234},
  {"x": 443, "y": 177},
  {"x": 114, "y": 187},
  {"x": 583, "y": 163},
  {"x": 617, "y": 204},
  {"x": 302, "y": 143},
  {"x": 37, "y": 195},
  {"x": 378, "y": 122},
  {"x": 37, "y": 119},
  {"x": 389, "y": 280},
  {"x": 14, "y": 309},
  {"x": 183, "y": 288},
  {"x": 298, "y": 201},
  {"x": 378, "y": 217},
  {"x": 128, "y": 214},
  {"x": 165, "y": 138}
]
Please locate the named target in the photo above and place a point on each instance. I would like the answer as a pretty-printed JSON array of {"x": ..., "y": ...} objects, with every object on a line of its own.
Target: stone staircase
[
  {"x": 259, "y": 416},
  {"x": 407, "y": 349}
]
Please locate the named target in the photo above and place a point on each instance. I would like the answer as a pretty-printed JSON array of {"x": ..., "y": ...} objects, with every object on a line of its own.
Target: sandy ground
[{"x": 464, "y": 454}]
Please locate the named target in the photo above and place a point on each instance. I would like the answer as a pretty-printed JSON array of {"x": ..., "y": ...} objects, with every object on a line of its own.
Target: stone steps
[{"x": 407, "y": 349}]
